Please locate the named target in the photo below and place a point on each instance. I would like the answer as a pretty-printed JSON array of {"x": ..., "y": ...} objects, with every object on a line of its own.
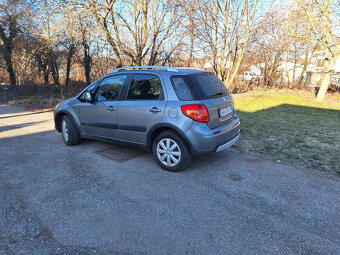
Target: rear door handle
[
  {"x": 111, "y": 108},
  {"x": 154, "y": 110}
]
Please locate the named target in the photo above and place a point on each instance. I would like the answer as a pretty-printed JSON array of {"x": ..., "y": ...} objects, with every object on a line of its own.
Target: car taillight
[{"x": 198, "y": 112}]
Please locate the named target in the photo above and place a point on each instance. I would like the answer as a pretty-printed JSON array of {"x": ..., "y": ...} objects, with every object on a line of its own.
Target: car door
[
  {"x": 99, "y": 117},
  {"x": 143, "y": 107}
]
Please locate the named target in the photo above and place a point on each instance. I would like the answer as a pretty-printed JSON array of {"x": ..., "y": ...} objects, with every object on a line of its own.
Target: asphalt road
[{"x": 56, "y": 199}]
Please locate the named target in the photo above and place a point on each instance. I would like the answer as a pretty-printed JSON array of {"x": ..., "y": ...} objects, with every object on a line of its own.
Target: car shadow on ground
[
  {"x": 120, "y": 153},
  {"x": 210, "y": 161},
  {"x": 23, "y": 114},
  {"x": 17, "y": 126}
]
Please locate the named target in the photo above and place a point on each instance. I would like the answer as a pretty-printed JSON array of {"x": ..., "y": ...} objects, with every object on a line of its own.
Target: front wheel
[
  {"x": 69, "y": 131},
  {"x": 171, "y": 152}
]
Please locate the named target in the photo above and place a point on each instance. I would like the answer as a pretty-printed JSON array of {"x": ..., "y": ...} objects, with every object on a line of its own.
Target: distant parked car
[
  {"x": 248, "y": 76},
  {"x": 173, "y": 112},
  {"x": 335, "y": 82}
]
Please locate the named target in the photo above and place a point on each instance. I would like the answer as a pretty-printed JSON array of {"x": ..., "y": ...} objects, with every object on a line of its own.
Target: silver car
[{"x": 173, "y": 112}]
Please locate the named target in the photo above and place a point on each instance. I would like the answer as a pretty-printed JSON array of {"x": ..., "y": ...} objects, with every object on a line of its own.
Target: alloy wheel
[
  {"x": 65, "y": 130},
  {"x": 168, "y": 152}
]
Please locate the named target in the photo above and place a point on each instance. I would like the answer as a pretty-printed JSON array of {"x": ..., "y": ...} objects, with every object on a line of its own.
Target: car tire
[
  {"x": 171, "y": 152},
  {"x": 69, "y": 131}
]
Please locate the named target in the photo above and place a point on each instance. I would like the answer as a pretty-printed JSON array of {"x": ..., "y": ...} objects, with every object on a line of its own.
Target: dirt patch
[
  {"x": 120, "y": 153},
  {"x": 235, "y": 177}
]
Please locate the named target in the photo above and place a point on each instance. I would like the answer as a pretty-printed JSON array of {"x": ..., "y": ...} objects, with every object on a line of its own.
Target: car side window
[
  {"x": 109, "y": 88},
  {"x": 144, "y": 86},
  {"x": 184, "y": 88}
]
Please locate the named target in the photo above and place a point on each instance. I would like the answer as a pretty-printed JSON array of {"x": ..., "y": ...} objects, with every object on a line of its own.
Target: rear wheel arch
[{"x": 158, "y": 129}]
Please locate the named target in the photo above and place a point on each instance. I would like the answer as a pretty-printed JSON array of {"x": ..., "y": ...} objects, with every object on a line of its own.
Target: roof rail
[
  {"x": 191, "y": 68},
  {"x": 167, "y": 68}
]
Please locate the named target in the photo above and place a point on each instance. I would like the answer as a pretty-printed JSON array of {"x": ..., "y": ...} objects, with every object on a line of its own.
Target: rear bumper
[
  {"x": 228, "y": 144},
  {"x": 202, "y": 139}
]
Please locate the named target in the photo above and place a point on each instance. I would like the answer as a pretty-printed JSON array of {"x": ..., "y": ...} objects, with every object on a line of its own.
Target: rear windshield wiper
[{"x": 217, "y": 94}]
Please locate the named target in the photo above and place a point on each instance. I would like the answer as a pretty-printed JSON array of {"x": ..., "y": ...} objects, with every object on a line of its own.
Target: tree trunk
[
  {"x": 138, "y": 61},
  {"x": 55, "y": 74},
  {"x": 326, "y": 79},
  {"x": 236, "y": 67},
  {"x": 324, "y": 86},
  {"x": 152, "y": 60},
  {"x": 7, "y": 45},
  {"x": 46, "y": 74},
  {"x": 9, "y": 67},
  {"x": 54, "y": 69},
  {"x": 68, "y": 64},
  {"x": 42, "y": 63},
  {"x": 87, "y": 68},
  {"x": 87, "y": 62},
  {"x": 192, "y": 42}
]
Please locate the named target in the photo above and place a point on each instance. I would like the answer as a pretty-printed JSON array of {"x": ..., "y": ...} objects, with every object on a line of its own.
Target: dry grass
[
  {"x": 38, "y": 96},
  {"x": 291, "y": 126}
]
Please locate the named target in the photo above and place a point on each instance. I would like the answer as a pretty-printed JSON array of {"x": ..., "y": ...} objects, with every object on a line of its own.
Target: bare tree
[
  {"x": 138, "y": 29},
  {"x": 224, "y": 29},
  {"x": 271, "y": 45},
  {"x": 45, "y": 27},
  {"x": 320, "y": 15},
  {"x": 41, "y": 55},
  {"x": 9, "y": 29},
  {"x": 23, "y": 58},
  {"x": 69, "y": 45},
  {"x": 87, "y": 57}
]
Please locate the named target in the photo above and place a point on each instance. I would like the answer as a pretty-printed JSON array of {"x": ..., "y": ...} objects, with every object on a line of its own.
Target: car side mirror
[{"x": 87, "y": 97}]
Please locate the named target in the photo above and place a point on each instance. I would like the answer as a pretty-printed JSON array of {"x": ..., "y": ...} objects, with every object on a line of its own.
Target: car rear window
[
  {"x": 210, "y": 85},
  {"x": 184, "y": 88}
]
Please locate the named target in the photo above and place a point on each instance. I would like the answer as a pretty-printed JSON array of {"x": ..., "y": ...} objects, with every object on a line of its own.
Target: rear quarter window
[
  {"x": 184, "y": 88},
  {"x": 210, "y": 85},
  {"x": 145, "y": 87}
]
